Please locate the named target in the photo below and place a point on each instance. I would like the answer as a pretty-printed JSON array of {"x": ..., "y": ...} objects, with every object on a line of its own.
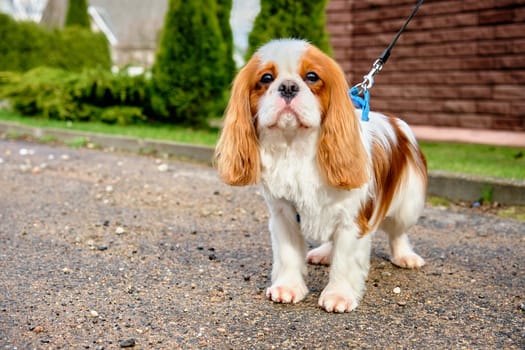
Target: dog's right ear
[{"x": 237, "y": 151}]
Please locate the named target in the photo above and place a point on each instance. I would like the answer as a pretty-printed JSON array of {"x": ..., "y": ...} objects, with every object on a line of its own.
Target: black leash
[{"x": 368, "y": 80}]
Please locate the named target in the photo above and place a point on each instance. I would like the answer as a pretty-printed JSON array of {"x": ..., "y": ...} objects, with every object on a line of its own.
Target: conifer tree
[
  {"x": 223, "y": 14},
  {"x": 189, "y": 76},
  {"x": 302, "y": 19},
  {"x": 77, "y": 14}
]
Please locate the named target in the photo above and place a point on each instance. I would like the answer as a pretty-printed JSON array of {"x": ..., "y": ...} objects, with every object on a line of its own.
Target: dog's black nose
[{"x": 288, "y": 90}]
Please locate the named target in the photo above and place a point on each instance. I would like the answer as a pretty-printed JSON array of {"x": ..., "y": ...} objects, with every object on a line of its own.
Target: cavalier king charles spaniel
[{"x": 327, "y": 175}]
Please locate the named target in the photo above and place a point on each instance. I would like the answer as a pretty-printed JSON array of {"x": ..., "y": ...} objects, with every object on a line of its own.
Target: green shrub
[
  {"x": 122, "y": 115},
  {"x": 303, "y": 19},
  {"x": 224, "y": 8},
  {"x": 77, "y": 14},
  {"x": 90, "y": 95},
  {"x": 189, "y": 78},
  {"x": 26, "y": 45}
]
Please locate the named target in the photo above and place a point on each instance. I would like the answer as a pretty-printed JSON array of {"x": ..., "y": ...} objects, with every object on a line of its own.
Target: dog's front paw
[
  {"x": 337, "y": 300},
  {"x": 408, "y": 261},
  {"x": 285, "y": 294}
]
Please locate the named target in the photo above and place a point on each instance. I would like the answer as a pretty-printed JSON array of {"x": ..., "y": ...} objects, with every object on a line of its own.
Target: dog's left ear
[
  {"x": 237, "y": 151},
  {"x": 341, "y": 155}
]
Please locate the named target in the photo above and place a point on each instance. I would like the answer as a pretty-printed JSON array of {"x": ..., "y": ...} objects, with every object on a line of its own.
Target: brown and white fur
[{"x": 291, "y": 126}]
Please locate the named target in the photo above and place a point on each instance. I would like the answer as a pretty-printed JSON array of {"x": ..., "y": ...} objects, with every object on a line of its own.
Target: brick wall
[{"x": 459, "y": 63}]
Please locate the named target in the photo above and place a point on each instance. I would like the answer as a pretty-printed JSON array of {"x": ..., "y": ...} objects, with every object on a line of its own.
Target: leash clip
[{"x": 368, "y": 80}]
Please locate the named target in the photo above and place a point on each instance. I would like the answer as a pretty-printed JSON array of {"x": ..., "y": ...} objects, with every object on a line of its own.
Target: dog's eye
[
  {"x": 266, "y": 78},
  {"x": 311, "y": 77}
]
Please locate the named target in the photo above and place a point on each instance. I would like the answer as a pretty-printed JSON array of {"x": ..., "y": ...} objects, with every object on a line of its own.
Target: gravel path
[{"x": 102, "y": 250}]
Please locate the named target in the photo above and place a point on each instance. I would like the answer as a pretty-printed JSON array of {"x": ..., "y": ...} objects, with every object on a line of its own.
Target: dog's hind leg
[
  {"x": 321, "y": 255},
  {"x": 401, "y": 250},
  {"x": 403, "y": 215}
]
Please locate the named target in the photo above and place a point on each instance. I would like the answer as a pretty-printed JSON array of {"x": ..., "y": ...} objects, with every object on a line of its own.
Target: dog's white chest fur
[{"x": 290, "y": 175}]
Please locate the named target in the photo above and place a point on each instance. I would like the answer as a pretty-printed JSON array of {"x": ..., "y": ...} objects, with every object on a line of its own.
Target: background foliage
[
  {"x": 77, "y": 14},
  {"x": 26, "y": 45},
  {"x": 90, "y": 95},
  {"x": 193, "y": 65},
  {"x": 301, "y": 19}
]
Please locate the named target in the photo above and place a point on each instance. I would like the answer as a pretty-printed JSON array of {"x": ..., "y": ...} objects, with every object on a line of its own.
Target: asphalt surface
[{"x": 106, "y": 250}]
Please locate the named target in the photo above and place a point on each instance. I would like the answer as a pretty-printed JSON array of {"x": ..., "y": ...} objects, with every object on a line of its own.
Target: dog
[{"x": 327, "y": 176}]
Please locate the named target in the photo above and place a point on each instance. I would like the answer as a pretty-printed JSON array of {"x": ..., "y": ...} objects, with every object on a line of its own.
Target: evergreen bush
[
  {"x": 91, "y": 95},
  {"x": 301, "y": 19},
  {"x": 26, "y": 45},
  {"x": 189, "y": 75},
  {"x": 77, "y": 14},
  {"x": 223, "y": 14}
]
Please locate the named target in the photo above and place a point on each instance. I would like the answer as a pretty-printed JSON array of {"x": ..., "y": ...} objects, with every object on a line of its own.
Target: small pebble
[
  {"x": 37, "y": 329},
  {"x": 163, "y": 167},
  {"x": 119, "y": 230},
  {"x": 109, "y": 188},
  {"x": 93, "y": 313},
  {"x": 396, "y": 290},
  {"x": 127, "y": 343}
]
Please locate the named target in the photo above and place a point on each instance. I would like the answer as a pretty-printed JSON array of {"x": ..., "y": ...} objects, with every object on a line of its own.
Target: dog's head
[{"x": 289, "y": 85}]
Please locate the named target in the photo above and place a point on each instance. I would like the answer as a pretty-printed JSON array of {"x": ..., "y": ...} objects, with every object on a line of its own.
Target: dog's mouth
[{"x": 288, "y": 119}]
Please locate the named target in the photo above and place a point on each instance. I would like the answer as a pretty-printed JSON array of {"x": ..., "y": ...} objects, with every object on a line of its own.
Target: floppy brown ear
[
  {"x": 341, "y": 155},
  {"x": 237, "y": 151}
]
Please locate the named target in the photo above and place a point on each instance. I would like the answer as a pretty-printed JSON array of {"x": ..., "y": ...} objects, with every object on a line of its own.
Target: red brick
[
  {"x": 445, "y": 21},
  {"x": 338, "y": 17},
  {"x": 510, "y": 62},
  {"x": 492, "y": 47},
  {"x": 509, "y": 92},
  {"x": 493, "y": 107},
  {"x": 518, "y": 46},
  {"x": 475, "y": 121},
  {"x": 519, "y": 14},
  {"x": 496, "y": 16},
  {"x": 469, "y": 5},
  {"x": 509, "y": 30},
  {"x": 384, "y": 12},
  {"x": 447, "y": 35},
  {"x": 518, "y": 109},
  {"x": 474, "y": 91},
  {"x": 444, "y": 119},
  {"x": 386, "y": 26},
  {"x": 459, "y": 106},
  {"x": 339, "y": 29},
  {"x": 413, "y": 118},
  {"x": 507, "y": 123},
  {"x": 338, "y": 5},
  {"x": 502, "y": 77}
]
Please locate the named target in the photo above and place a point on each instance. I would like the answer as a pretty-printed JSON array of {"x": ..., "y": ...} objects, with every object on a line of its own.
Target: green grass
[
  {"x": 146, "y": 131},
  {"x": 482, "y": 160}
]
